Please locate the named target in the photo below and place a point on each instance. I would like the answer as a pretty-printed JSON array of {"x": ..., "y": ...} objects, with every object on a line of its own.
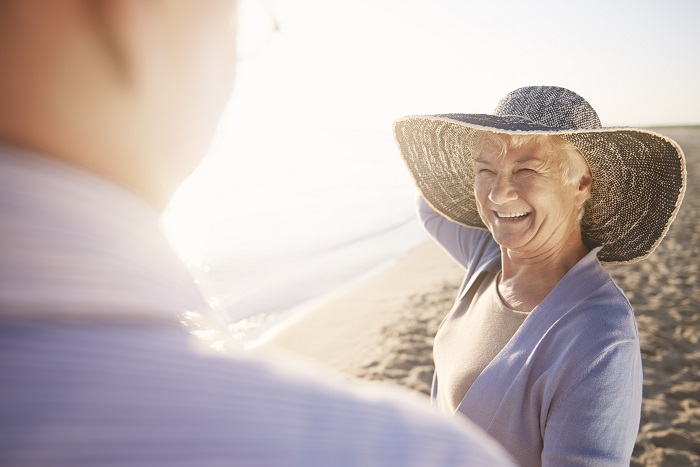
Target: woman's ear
[{"x": 584, "y": 188}]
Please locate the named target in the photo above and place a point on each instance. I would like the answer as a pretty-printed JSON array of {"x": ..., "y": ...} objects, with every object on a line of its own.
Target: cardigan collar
[
  {"x": 492, "y": 264},
  {"x": 584, "y": 278}
]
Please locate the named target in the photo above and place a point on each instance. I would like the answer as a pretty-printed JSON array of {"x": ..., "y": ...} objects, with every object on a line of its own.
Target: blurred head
[
  {"x": 530, "y": 190},
  {"x": 129, "y": 89}
]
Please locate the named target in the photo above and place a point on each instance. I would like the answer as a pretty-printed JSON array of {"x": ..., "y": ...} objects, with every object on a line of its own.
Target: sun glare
[
  {"x": 256, "y": 23},
  {"x": 188, "y": 216}
]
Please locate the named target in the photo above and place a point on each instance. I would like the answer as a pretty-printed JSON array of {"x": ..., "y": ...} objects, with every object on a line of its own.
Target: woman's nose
[{"x": 502, "y": 190}]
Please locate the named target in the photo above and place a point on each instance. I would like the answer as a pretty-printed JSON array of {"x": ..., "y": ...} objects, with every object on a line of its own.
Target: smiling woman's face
[{"x": 523, "y": 198}]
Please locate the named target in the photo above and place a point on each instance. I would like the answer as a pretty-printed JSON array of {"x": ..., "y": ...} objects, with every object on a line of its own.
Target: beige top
[{"x": 474, "y": 332}]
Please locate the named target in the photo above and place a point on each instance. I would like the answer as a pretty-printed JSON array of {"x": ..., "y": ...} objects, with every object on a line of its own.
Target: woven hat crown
[{"x": 551, "y": 106}]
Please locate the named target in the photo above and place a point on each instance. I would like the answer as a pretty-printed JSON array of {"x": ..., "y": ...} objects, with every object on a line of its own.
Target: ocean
[{"x": 275, "y": 219}]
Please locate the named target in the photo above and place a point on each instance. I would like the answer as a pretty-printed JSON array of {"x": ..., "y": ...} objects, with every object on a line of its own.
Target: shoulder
[
  {"x": 588, "y": 304},
  {"x": 593, "y": 321},
  {"x": 604, "y": 312},
  {"x": 592, "y": 348},
  {"x": 583, "y": 322},
  {"x": 595, "y": 335},
  {"x": 155, "y": 388}
]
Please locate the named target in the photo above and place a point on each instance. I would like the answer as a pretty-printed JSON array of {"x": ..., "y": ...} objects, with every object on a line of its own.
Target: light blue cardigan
[{"x": 567, "y": 388}]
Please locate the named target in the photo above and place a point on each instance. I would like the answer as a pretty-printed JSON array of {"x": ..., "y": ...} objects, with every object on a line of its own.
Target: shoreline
[{"x": 320, "y": 332}]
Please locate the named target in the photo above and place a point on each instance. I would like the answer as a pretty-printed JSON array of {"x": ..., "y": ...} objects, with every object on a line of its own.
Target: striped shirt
[{"x": 97, "y": 369}]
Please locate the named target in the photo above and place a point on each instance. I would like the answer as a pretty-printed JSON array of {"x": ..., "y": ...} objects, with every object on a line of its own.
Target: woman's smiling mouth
[{"x": 511, "y": 215}]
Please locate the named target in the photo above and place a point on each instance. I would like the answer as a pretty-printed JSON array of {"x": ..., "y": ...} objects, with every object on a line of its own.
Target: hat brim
[{"x": 639, "y": 176}]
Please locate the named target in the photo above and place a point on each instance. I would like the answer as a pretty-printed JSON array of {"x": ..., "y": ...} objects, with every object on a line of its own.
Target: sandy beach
[{"x": 382, "y": 329}]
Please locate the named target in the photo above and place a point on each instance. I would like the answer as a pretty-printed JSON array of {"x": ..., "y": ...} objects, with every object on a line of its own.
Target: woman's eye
[
  {"x": 525, "y": 171},
  {"x": 486, "y": 171}
]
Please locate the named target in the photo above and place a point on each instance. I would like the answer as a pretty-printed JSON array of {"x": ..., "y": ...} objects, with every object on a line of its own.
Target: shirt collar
[{"x": 76, "y": 245}]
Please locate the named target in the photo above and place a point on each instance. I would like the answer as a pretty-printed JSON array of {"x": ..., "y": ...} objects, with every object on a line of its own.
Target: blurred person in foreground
[
  {"x": 541, "y": 348},
  {"x": 105, "y": 107}
]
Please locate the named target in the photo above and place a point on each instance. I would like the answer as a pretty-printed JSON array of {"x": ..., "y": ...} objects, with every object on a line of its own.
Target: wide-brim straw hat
[{"x": 639, "y": 176}]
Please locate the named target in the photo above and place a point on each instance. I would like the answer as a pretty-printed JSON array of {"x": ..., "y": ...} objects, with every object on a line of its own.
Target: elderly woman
[{"x": 541, "y": 347}]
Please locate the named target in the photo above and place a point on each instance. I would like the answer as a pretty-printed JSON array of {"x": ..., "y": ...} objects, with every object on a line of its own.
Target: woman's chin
[
  {"x": 510, "y": 238},
  {"x": 510, "y": 243}
]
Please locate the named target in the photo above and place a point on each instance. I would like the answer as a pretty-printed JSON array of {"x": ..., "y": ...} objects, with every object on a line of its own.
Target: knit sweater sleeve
[{"x": 468, "y": 246}]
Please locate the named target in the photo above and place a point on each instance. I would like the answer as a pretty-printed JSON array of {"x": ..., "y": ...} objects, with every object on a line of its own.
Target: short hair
[{"x": 573, "y": 165}]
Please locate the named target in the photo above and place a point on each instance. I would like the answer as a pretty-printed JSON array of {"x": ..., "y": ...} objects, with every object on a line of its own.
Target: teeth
[{"x": 512, "y": 215}]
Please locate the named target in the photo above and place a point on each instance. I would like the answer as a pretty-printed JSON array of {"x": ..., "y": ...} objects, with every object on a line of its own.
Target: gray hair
[{"x": 571, "y": 163}]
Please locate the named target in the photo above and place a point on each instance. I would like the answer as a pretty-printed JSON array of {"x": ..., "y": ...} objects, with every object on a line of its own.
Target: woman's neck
[{"x": 525, "y": 280}]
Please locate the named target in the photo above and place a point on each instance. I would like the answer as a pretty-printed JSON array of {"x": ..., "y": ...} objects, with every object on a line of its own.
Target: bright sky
[{"x": 364, "y": 63}]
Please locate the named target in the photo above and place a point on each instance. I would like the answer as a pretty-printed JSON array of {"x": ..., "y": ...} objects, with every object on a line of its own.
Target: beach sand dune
[{"x": 382, "y": 329}]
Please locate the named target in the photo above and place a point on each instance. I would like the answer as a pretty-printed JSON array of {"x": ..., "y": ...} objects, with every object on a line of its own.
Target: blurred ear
[{"x": 114, "y": 22}]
